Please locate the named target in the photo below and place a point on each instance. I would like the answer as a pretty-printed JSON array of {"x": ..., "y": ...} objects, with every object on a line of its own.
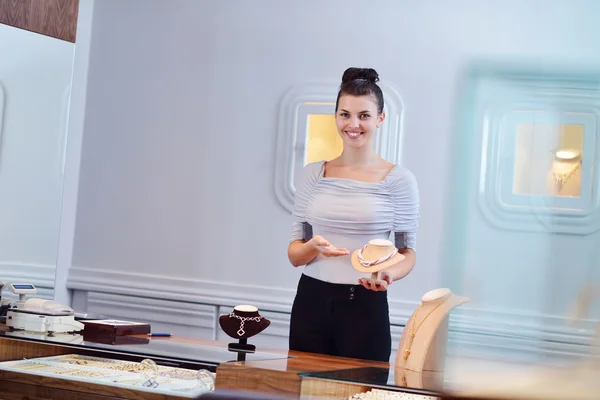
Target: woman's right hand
[{"x": 327, "y": 249}]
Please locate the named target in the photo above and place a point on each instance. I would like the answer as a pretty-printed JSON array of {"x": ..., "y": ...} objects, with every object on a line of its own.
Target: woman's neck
[{"x": 362, "y": 157}]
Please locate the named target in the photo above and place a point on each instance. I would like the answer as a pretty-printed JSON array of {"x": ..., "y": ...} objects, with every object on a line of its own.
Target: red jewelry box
[{"x": 113, "y": 327}]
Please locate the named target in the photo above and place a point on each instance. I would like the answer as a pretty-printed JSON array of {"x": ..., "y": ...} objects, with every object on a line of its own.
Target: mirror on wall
[
  {"x": 35, "y": 79},
  {"x": 322, "y": 139},
  {"x": 548, "y": 159}
]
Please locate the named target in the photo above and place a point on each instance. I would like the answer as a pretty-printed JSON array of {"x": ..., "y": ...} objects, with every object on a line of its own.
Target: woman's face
[{"x": 357, "y": 119}]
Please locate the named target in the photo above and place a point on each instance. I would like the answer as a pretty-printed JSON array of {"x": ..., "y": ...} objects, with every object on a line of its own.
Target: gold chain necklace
[{"x": 413, "y": 330}]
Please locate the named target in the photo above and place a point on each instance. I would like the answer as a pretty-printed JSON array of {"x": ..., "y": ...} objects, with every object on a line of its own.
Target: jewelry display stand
[
  {"x": 242, "y": 323},
  {"x": 377, "y": 255},
  {"x": 423, "y": 342},
  {"x": 430, "y": 380},
  {"x": 565, "y": 176}
]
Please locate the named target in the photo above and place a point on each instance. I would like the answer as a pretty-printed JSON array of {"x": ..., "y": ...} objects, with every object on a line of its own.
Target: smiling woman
[{"x": 340, "y": 205}]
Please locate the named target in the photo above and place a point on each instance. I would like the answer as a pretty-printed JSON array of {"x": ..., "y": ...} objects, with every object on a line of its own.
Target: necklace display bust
[
  {"x": 423, "y": 342},
  {"x": 243, "y": 322},
  {"x": 565, "y": 177}
]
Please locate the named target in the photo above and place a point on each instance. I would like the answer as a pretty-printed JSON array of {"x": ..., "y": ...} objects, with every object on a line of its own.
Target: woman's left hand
[{"x": 380, "y": 285}]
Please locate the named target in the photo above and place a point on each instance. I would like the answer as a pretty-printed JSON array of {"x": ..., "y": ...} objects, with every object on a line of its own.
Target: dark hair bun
[{"x": 352, "y": 74}]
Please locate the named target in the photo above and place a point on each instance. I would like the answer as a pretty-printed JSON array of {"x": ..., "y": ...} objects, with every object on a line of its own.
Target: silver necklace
[
  {"x": 367, "y": 264},
  {"x": 241, "y": 331}
]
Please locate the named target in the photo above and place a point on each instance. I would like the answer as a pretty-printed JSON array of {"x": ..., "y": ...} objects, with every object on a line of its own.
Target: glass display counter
[
  {"x": 46, "y": 366},
  {"x": 145, "y": 376},
  {"x": 464, "y": 378},
  {"x": 371, "y": 383},
  {"x": 190, "y": 354}
]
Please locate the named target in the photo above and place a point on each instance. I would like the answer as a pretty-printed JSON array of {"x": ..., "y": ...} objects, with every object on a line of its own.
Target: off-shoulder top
[{"x": 349, "y": 213}]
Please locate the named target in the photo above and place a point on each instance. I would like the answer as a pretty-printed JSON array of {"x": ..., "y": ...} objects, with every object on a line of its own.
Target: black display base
[{"x": 242, "y": 348}]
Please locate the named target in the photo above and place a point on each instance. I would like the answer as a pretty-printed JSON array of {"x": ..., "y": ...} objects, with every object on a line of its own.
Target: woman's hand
[
  {"x": 326, "y": 249},
  {"x": 377, "y": 285}
]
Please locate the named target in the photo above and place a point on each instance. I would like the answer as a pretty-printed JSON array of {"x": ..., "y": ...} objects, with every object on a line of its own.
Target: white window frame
[{"x": 319, "y": 98}]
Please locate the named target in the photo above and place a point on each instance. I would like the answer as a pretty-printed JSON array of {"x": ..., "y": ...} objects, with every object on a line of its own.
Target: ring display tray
[{"x": 144, "y": 376}]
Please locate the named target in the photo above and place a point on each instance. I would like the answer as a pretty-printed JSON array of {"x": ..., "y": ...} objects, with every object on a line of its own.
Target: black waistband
[{"x": 330, "y": 290}]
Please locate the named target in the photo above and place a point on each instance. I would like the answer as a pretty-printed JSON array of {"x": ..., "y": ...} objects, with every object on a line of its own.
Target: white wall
[
  {"x": 176, "y": 196},
  {"x": 35, "y": 78}
]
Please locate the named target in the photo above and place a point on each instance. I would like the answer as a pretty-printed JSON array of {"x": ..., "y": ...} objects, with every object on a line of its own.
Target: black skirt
[{"x": 340, "y": 320}]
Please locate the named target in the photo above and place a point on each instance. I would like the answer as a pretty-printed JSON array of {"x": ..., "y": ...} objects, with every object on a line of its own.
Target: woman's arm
[
  {"x": 401, "y": 269},
  {"x": 300, "y": 249},
  {"x": 301, "y": 252},
  {"x": 405, "y": 193},
  {"x": 406, "y": 223}
]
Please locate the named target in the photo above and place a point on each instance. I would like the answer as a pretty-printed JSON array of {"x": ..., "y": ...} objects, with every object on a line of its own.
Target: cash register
[{"x": 36, "y": 315}]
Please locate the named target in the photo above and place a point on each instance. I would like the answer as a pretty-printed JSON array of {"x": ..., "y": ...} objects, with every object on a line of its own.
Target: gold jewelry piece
[{"x": 413, "y": 330}]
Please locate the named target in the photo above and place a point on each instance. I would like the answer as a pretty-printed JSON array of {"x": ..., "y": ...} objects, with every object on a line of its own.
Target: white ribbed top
[{"x": 349, "y": 213}]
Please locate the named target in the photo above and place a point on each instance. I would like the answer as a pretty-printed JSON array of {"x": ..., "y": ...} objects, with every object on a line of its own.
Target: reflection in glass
[
  {"x": 206, "y": 379},
  {"x": 548, "y": 159},
  {"x": 322, "y": 139},
  {"x": 149, "y": 373}
]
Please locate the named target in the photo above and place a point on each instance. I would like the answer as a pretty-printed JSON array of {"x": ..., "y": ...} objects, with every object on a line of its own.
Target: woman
[{"x": 339, "y": 206}]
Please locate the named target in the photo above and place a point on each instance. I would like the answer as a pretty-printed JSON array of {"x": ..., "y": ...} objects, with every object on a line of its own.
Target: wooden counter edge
[
  {"x": 84, "y": 388},
  {"x": 282, "y": 376}
]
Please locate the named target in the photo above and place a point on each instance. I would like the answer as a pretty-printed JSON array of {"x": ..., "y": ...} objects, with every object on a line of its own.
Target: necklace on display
[
  {"x": 375, "y": 262},
  {"x": 561, "y": 178},
  {"x": 414, "y": 330},
  {"x": 404, "y": 383},
  {"x": 241, "y": 331}
]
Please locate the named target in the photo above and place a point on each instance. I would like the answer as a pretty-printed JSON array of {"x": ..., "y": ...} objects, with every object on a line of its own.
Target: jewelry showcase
[{"x": 145, "y": 375}]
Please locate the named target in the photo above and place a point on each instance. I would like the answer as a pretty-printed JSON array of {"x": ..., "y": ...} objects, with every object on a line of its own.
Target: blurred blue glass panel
[{"x": 522, "y": 255}]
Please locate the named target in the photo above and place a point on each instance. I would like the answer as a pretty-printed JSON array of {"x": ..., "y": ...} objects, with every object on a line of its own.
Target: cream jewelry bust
[
  {"x": 564, "y": 178},
  {"x": 376, "y": 255},
  {"x": 423, "y": 342}
]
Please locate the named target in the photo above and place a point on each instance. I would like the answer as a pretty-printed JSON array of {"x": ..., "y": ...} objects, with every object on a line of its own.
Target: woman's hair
[{"x": 361, "y": 82}]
